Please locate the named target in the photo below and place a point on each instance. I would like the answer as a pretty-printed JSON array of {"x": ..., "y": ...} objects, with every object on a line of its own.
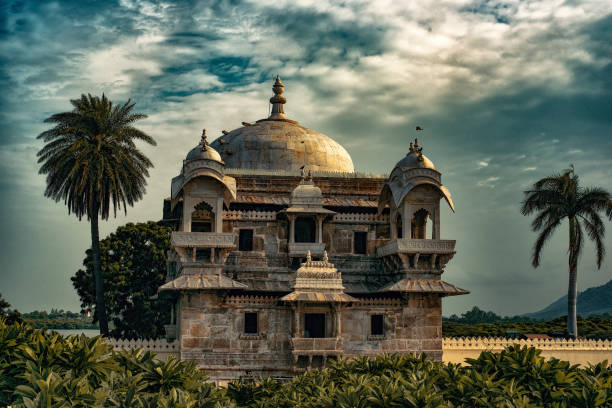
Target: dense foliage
[
  {"x": 133, "y": 263},
  {"x": 58, "y": 319},
  {"x": 594, "y": 327},
  {"x": 11, "y": 315},
  {"x": 42, "y": 369},
  {"x": 476, "y": 316},
  {"x": 516, "y": 377}
]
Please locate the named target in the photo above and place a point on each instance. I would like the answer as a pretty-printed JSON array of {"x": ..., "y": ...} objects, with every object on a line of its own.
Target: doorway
[{"x": 314, "y": 325}]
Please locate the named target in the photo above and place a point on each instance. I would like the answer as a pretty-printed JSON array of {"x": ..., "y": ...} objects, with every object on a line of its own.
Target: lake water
[{"x": 72, "y": 332}]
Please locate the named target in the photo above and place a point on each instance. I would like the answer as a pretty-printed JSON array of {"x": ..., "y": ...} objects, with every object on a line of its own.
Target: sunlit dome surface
[{"x": 277, "y": 143}]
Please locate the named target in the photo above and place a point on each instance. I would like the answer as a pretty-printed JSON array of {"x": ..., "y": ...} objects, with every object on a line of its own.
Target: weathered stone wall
[
  {"x": 212, "y": 335},
  {"x": 212, "y": 332},
  {"x": 410, "y": 326}
]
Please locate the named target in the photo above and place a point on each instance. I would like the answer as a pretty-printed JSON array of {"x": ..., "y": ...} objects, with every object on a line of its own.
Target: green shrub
[{"x": 43, "y": 369}]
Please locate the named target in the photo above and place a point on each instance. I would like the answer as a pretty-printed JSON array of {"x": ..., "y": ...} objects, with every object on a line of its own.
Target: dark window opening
[
  {"x": 377, "y": 325},
  {"x": 305, "y": 229},
  {"x": 203, "y": 254},
  {"x": 315, "y": 325},
  {"x": 250, "y": 323},
  {"x": 419, "y": 224},
  {"x": 361, "y": 242},
  {"x": 398, "y": 226},
  {"x": 201, "y": 226},
  {"x": 245, "y": 240}
]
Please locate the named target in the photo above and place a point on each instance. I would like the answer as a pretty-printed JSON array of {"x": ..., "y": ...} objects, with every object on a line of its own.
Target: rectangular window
[
  {"x": 376, "y": 325},
  {"x": 245, "y": 240},
  {"x": 314, "y": 325},
  {"x": 250, "y": 323},
  {"x": 361, "y": 242}
]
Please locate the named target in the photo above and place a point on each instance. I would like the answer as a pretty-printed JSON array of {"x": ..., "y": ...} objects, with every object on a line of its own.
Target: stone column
[
  {"x": 296, "y": 320},
  {"x": 436, "y": 231},
  {"x": 291, "y": 228},
  {"x": 219, "y": 215},
  {"x": 320, "y": 228},
  {"x": 338, "y": 320},
  {"x": 187, "y": 210}
]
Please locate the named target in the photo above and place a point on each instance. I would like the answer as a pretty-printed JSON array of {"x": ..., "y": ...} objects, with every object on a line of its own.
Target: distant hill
[{"x": 593, "y": 301}]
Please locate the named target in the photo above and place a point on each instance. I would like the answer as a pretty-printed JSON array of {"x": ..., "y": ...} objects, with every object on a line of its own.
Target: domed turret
[
  {"x": 278, "y": 143},
  {"x": 203, "y": 151},
  {"x": 413, "y": 192},
  {"x": 307, "y": 195},
  {"x": 415, "y": 158}
]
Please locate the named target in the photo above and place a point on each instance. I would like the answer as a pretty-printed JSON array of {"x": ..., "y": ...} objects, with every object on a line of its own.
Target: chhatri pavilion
[{"x": 283, "y": 257}]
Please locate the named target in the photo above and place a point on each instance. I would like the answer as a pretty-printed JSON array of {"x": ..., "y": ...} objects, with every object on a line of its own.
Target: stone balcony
[
  {"x": 412, "y": 255},
  {"x": 417, "y": 246},
  {"x": 301, "y": 248},
  {"x": 183, "y": 239},
  {"x": 321, "y": 346}
]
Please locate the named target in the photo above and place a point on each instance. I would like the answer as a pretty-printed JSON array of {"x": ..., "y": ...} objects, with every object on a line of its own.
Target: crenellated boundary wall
[
  {"x": 455, "y": 349},
  {"x": 579, "y": 351}
]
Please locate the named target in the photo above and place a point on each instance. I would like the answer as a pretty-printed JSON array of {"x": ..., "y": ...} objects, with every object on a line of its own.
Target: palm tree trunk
[
  {"x": 572, "y": 289},
  {"x": 95, "y": 250}
]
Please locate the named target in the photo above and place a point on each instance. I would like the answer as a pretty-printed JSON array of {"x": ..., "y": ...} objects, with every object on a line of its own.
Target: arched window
[
  {"x": 398, "y": 226},
  {"x": 305, "y": 229},
  {"x": 202, "y": 218},
  {"x": 418, "y": 226}
]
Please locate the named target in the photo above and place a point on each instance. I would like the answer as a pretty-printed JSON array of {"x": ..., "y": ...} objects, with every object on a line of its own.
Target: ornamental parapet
[
  {"x": 183, "y": 239},
  {"x": 302, "y": 248},
  {"x": 361, "y": 218},
  {"x": 500, "y": 343},
  {"x": 161, "y": 347},
  {"x": 416, "y": 246},
  {"x": 237, "y": 215},
  {"x": 316, "y": 346}
]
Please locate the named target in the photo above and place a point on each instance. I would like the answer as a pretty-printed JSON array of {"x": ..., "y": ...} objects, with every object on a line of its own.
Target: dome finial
[
  {"x": 277, "y": 101},
  {"x": 204, "y": 141},
  {"x": 416, "y": 149}
]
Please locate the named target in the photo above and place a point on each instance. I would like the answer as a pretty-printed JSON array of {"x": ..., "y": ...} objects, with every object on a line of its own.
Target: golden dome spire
[{"x": 277, "y": 101}]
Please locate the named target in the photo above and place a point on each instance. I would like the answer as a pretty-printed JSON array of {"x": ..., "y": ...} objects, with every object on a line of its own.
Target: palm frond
[{"x": 541, "y": 240}]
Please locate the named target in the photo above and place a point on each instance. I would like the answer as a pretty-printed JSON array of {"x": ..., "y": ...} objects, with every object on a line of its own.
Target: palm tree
[
  {"x": 559, "y": 197},
  {"x": 91, "y": 160}
]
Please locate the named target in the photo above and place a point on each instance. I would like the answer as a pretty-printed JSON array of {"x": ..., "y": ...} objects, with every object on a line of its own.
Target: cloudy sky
[{"x": 507, "y": 91}]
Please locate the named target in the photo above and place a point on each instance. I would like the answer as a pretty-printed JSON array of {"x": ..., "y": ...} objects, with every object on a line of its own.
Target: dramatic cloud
[{"x": 507, "y": 92}]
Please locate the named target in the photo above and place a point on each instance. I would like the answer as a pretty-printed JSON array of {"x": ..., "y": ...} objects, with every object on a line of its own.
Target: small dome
[
  {"x": 203, "y": 151},
  {"x": 199, "y": 153},
  {"x": 415, "y": 158},
  {"x": 306, "y": 194}
]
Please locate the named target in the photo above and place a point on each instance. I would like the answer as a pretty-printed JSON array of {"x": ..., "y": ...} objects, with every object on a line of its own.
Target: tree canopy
[
  {"x": 91, "y": 162},
  {"x": 133, "y": 264}
]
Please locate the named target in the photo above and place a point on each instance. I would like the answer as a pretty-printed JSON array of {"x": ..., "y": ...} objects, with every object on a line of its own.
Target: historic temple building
[{"x": 283, "y": 257}]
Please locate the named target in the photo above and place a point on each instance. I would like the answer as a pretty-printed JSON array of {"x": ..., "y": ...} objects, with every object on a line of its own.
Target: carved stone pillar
[
  {"x": 291, "y": 228},
  {"x": 320, "y": 228},
  {"x": 338, "y": 320}
]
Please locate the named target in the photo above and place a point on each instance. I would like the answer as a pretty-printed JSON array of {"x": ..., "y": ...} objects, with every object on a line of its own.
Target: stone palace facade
[{"x": 283, "y": 257}]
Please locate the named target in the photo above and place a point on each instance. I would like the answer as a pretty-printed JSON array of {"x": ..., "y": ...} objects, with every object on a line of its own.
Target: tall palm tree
[
  {"x": 91, "y": 160},
  {"x": 559, "y": 197}
]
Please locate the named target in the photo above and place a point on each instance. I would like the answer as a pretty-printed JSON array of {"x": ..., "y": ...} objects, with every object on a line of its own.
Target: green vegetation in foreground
[
  {"x": 58, "y": 319},
  {"x": 43, "y": 369}
]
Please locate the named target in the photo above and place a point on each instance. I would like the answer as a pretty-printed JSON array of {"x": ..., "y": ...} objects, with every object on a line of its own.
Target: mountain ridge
[{"x": 596, "y": 300}]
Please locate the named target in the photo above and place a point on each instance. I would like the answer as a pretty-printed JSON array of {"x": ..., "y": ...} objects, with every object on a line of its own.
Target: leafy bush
[{"x": 43, "y": 369}]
